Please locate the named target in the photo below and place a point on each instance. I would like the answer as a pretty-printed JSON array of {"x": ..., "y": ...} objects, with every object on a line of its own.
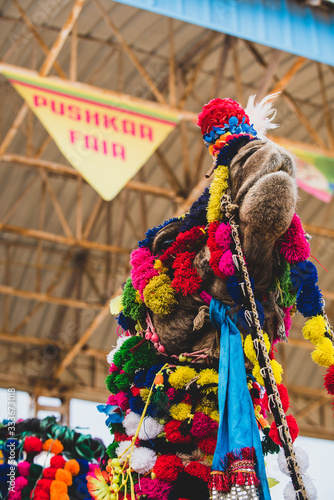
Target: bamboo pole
[
  {"x": 44, "y": 297},
  {"x": 171, "y": 64}
]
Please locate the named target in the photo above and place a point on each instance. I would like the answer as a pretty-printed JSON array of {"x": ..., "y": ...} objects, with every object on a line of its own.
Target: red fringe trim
[{"x": 239, "y": 469}]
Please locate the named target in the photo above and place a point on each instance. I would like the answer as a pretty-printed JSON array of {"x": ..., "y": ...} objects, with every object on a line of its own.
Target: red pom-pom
[
  {"x": 44, "y": 485},
  {"x": 283, "y": 392},
  {"x": 293, "y": 427},
  {"x": 49, "y": 473},
  {"x": 40, "y": 494},
  {"x": 186, "y": 278},
  {"x": 173, "y": 434},
  {"x": 217, "y": 114},
  {"x": 329, "y": 380},
  {"x": 32, "y": 444},
  {"x": 198, "y": 470},
  {"x": 168, "y": 467},
  {"x": 57, "y": 462},
  {"x": 208, "y": 445}
]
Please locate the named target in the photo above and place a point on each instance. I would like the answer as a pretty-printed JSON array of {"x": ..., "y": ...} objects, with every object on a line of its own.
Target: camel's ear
[{"x": 165, "y": 237}]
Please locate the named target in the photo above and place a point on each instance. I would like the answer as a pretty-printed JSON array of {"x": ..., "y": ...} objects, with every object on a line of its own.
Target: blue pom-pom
[
  {"x": 152, "y": 373},
  {"x": 303, "y": 273},
  {"x": 125, "y": 322},
  {"x": 83, "y": 464},
  {"x": 197, "y": 213},
  {"x": 260, "y": 312},
  {"x": 235, "y": 290},
  {"x": 309, "y": 301},
  {"x": 231, "y": 149},
  {"x": 150, "y": 234},
  {"x": 140, "y": 378},
  {"x": 136, "y": 404}
]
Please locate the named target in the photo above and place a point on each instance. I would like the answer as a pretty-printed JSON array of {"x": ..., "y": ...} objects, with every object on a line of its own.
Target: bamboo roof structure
[{"x": 64, "y": 251}]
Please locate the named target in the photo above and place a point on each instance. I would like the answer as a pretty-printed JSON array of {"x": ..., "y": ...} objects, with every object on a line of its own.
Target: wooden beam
[
  {"x": 10, "y": 212},
  {"x": 268, "y": 74},
  {"x": 169, "y": 174},
  {"x": 63, "y": 240},
  {"x": 326, "y": 107},
  {"x": 61, "y": 169},
  {"x": 47, "y": 65},
  {"x": 74, "y": 53},
  {"x": 283, "y": 82},
  {"x": 129, "y": 52},
  {"x": 44, "y": 297},
  {"x": 220, "y": 70},
  {"x": 194, "y": 194},
  {"x": 171, "y": 75},
  {"x": 311, "y": 406},
  {"x": 38, "y": 37},
  {"x": 237, "y": 72},
  {"x": 76, "y": 348}
]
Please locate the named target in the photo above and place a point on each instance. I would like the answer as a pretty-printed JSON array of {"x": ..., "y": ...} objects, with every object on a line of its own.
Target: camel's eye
[
  {"x": 166, "y": 237},
  {"x": 163, "y": 245}
]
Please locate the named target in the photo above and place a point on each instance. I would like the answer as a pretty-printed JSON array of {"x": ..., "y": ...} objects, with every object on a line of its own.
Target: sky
[{"x": 85, "y": 417}]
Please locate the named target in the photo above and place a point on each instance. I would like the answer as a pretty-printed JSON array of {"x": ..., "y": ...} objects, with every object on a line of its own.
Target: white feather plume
[{"x": 262, "y": 114}]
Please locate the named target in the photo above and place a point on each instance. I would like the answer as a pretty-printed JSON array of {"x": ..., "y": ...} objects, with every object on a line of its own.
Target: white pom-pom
[
  {"x": 122, "y": 449},
  {"x": 119, "y": 343},
  {"x": 115, "y": 305},
  {"x": 143, "y": 460},
  {"x": 150, "y": 429},
  {"x": 290, "y": 494},
  {"x": 43, "y": 459},
  {"x": 130, "y": 423},
  {"x": 262, "y": 114},
  {"x": 302, "y": 459}
]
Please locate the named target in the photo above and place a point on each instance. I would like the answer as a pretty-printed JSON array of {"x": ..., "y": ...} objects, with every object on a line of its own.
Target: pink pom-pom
[
  {"x": 203, "y": 425},
  {"x": 142, "y": 271},
  {"x": 23, "y": 468},
  {"x": 329, "y": 380},
  {"x": 226, "y": 265},
  {"x": 153, "y": 488},
  {"x": 161, "y": 349},
  {"x": 223, "y": 236},
  {"x": 120, "y": 399},
  {"x": 287, "y": 319},
  {"x": 113, "y": 368},
  {"x": 21, "y": 482},
  {"x": 293, "y": 244}
]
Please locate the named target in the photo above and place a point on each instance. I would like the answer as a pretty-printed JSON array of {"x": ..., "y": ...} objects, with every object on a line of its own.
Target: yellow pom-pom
[
  {"x": 72, "y": 466},
  {"x": 277, "y": 370},
  {"x": 249, "y": 349},
  {"x": 180, "y": 412},
  {"x": 65, "y": 476},
  {"x": 181, "y": 376},
  {"x": 144, "y": 393},
  {"x": 138, "y": 299},
  {"x": 257, "y": 374},
  {"x": 116, "y": 305},
  {"x": 159, "y": 296},
  {"x": 314, "y": 329},
  {"x": 324, "y": 353},
  {"x": 158, "y": 266},
  {"x": 208, "y": 376},
  {"x": 217, "y": 189}
]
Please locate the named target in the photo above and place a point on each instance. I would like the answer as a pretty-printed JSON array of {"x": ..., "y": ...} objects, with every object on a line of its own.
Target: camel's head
[{"x": 187, "y": 260}]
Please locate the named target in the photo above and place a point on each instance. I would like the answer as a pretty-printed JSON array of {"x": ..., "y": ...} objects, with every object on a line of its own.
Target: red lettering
[
  {"x": 91, "y": 142},
  {"x": 75, "y": 136},
  {"x": 74, "y": 113},
  {"x": 60, "y": 111},
  {"x": 92, "y": 117},
  {"x": 129, "y": 127},
  {"x": 105, "y": 147},
  {"x": 146, "y": 132},
  {"x": 39, "y": 100},
  {"x": 110, "y": 122},
  {"x": 118, "y": 150}
]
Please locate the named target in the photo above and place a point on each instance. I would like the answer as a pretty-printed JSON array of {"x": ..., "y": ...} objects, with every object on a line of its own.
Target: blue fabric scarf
[{"x": 237, "y": 424}]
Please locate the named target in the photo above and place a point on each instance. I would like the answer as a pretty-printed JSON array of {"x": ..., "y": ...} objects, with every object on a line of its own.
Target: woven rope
[{"x": 266, "y": 371}]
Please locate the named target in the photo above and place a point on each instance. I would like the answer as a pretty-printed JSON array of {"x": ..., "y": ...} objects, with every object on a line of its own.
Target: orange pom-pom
[
  {"x": 72, "y": 466},
  {"x": 65, "y": 476},
  {"x": 53, "y": 446},
  {"x": 57, "y": 490}
]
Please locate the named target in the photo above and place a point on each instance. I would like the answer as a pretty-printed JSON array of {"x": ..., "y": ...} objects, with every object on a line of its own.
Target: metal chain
[{"x": 266, "y": 371}]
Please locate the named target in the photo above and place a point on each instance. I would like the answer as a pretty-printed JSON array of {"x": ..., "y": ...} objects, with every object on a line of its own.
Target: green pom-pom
[
  {"x": 111, "y": 384},
  {"x": 268, "y": 445},
  {"x": 111, "y": 450},
  {"x": 35, "y": 470},
  {"x": 123, "y": 382},
  {"x": 145, "y": 356},
  {"x": 132, "y": 308}
]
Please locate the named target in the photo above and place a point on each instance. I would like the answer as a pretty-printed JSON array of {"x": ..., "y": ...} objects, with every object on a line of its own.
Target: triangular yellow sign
[{"x": 107, "y": 138}]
